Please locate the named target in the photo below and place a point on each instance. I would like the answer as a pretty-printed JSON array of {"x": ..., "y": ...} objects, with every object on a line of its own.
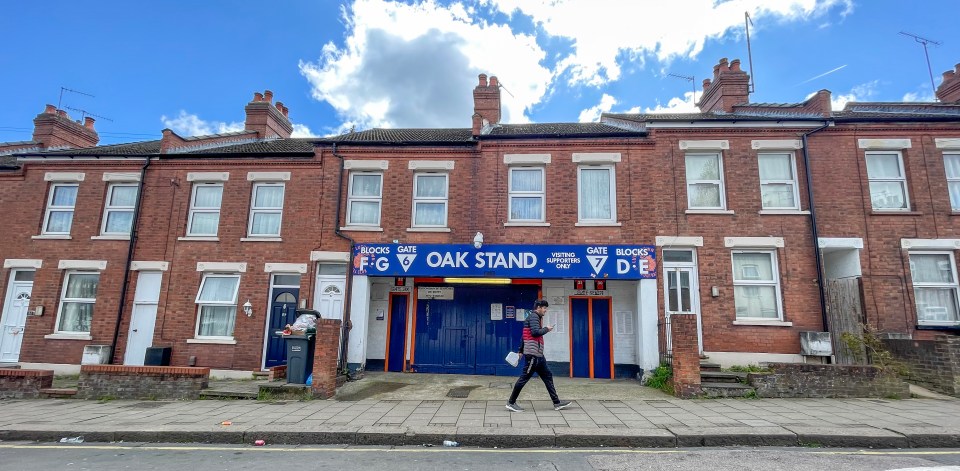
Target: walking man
[{"x": 534, "y": 362}]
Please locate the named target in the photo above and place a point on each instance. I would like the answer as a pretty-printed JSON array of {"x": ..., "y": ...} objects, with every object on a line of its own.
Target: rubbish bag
[{"x": 310, "y": 380}]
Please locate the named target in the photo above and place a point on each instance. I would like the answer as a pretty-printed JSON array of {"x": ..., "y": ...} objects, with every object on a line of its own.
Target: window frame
[
  {"x": 542, "y": 194},
  {"x": 902, "y": 180},
  {"x": 200, "y": 304},
  {"x": 951, "y": 180},
  {"x": 794, "y": 182},
  {"x": 64, "y": 299},
  {"x": 51, "y": 208},
  {"x": 445, "y": 200},
  {"x": 955, "y": 285},
  {"x": 204, "y": 210},
  {"x": 108, "y": 208},
  {"x": 775, "y": 270},
  {"x": 351, "y": 199},
  {"x": 612, "y": 171},
  {"x": 721, "y": 183},
  {"x": 254, "y": 210}
]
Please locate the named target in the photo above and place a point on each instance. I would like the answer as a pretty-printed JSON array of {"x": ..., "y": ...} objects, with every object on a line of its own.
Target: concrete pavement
[{"x": 611, "y": 413}]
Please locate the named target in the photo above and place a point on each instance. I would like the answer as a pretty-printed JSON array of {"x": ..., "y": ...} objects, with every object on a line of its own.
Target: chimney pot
[
  {"x": 257, "y": 96},
  {"x": 493, "y": 81},
  {"x": 723, "y": 64},
  {"x": 50, "y": 109},
  {"x": 61, "y": 113},
  {"x": 88, "y": 122},
  {"x": 483, "y": 80},
  {"x": 948, "y": 75},
  {"x": 279, "y": 105},
  {"x": 735, "y": 65},
  {"x": 286, "y": 111},
  {"x": 267, "y": 96},
  {"x": 706, "y": 84}
]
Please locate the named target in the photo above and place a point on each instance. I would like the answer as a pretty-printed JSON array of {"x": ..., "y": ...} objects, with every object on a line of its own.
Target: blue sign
[{"x": 612, "y": 262}]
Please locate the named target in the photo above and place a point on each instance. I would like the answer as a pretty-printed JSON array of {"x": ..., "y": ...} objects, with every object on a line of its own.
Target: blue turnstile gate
[{"x": 592, "y": 344}]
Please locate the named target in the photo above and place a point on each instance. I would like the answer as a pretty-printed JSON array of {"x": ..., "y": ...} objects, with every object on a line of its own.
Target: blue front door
[
  {"x": 471, "y": 333},
  {"x": 592, "y": 340},
  {"x": 396, "y": 349},
  {"x": 283, "y": 311}
]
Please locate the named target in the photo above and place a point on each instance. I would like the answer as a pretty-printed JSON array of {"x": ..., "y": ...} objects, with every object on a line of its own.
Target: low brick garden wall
[
  {"x": 811, "y": 380},
  {"x": 24, "y": 384},
  {"x": 141, "y": 382},
  {"x": 933, "y": 364}
]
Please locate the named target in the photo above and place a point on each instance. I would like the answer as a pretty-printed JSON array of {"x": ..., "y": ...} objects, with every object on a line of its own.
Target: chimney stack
[
  {"x": 486, "y": 103},
  {"x": 267, "y": 119},
  {"x": 949, "y": 89},
  {"x": 730, "y": 86},
  {"x": 54, "y": 129}
]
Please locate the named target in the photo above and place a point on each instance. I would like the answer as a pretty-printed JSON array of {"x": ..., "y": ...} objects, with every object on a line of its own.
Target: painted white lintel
[
  {"x": 596, "y": 157},
  {"x": 240, "y": 267},
  {"x": 22, "y": 263},
  {"x": 933, "y": 244},
  {"x": 320, "y": 256},
  {"x": 121, "y": 177},
  {"x": 208, "y": 176},
  {"x": 365, "y": 164},
  {"x": 430, "y": 165},
  {"x": 285, "y": 267},
  {"x": 526, "y": 159},
  {"x": 63, "y": 176},
  {"x": 776, "y": 144},
  {"x": 722, "y": 144},
  {"x": 268, "y": 176},
  {"x": 840, "y": 243},
  {"x": 948, "y": 143},
  {"x": 764, "y": 242},
  {"x": 82, "y": 265},
  {"x": 149, "y": 266},
  {"x": 881, "y": 144},
  {"x": 679, "y": 241}
]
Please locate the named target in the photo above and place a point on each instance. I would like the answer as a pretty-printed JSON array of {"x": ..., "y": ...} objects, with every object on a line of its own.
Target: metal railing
[{"x": 665, "y": 346}]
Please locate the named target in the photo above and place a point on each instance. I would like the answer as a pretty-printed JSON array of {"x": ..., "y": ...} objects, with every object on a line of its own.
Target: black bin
[
  {"x": 157, "y": 356},
  {"x": 299, "y": 357}
]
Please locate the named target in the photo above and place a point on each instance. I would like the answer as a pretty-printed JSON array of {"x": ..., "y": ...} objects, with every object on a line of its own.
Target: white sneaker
[
  {"x": 514, "y": 407},
  {"x": 561, "y": 405}
]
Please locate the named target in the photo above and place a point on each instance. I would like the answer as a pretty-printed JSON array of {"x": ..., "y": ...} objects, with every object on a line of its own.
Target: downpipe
[{"x": 346, "y": 326}]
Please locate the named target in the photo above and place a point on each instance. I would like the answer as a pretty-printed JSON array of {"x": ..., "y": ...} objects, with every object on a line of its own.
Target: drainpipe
[
  {"x": 126, "y": 269},
  {"x": 813, "y": 225},
  {"x": 348, "y": 291}
]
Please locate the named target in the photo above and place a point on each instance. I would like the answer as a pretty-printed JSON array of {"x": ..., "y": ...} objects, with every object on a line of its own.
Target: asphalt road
[{"x": 120, "y": 456}]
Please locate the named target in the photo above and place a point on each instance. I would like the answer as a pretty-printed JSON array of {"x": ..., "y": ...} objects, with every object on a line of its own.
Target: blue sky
[{"x": 193, "y": 65}]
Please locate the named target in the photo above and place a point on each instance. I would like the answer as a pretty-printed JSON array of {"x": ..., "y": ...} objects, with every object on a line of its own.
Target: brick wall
[
  {"x": 812, "y": 380},
  {"x": 141, "y": 382},
  {"x": 933, "y": 364},
  {"x": 325, "y": 354},
  {"x": 24, "y": 384},
  {"x": 686, "y": 355}
]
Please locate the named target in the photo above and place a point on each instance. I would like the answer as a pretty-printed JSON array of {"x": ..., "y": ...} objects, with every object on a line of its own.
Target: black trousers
[{"x": 536, "y": 365}]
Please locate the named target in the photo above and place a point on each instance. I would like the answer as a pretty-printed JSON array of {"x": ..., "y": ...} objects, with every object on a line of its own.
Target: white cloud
[
  {"x": 185, "y": 124},
  {"x": 922, "y": 94},
  {"x": 301, "y": 130},
  {"x": 414, "y": 66},
  {"x": 862, "y": 92},
  {"x": 665, "y": 30},
  {"x": 676, "y": 105},
  {"x": 592, "y": 114}
]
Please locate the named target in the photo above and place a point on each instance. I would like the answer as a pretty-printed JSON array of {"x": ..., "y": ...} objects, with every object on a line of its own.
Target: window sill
[
  {"x": 362, "y": 228},
  {"x": 428, "y": 229},
  {"x": 214, "y": 341},
  {"x": 66, "y": 336},
  {"x": 783, "y": 211},
  {"x": 526, "y": 224},
  {"x": 895, "y": 213},
  {"x": 200, "y": 238},
  {"x": 763, "y": 323},
  {"x": 52, "y": 237},
  {"x": 709, "y": 211},
  {"x": 598, "y": 224},
  {"x": 947, "y": 327},
  {"x": 261, "y": 239},
  {"x": 111, "y": 237}
]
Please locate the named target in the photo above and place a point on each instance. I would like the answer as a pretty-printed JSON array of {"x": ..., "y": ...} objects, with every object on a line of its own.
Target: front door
[
  {"x": 591, "y": 354},
  {"x": 681, "y": 289},
  {"x": 143, "y": 318},
  {"x": 397, "y": 333},
  {"x": 283, "y": 311},
  {"x": 15, "y": 315},
  {"x": 330, "y": 296}
]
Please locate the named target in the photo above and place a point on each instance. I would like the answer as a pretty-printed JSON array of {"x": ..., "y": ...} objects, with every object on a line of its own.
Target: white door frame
[
  {"x": 12, "y": 289},
  {"x": 269, "y": 312},
  {"x": 142, "y": 299},
  {"x": 690, "y": 267}
]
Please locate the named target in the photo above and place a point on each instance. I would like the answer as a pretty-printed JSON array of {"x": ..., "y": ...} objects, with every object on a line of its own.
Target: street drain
[{"x": 460, "y": 392}]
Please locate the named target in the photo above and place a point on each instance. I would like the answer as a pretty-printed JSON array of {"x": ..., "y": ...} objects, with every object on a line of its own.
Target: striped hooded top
[{"x": 533, "y": 335}]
